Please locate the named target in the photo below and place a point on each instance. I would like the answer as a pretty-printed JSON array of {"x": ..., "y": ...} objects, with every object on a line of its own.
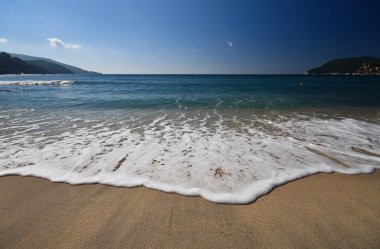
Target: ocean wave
[
  {"x": 224, "y": 159},
  {"x": 37, "y": 82}
]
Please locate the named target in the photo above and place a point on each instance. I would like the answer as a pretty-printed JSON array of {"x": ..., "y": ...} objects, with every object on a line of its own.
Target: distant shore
[
  {"x": 342, "y": 74},
  {"x": 319, "y": 211}
]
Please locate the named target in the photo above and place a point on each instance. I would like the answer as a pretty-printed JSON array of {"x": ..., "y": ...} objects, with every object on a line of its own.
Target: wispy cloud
[
  {"x": 3, "y": 40},
  {"x": 229, "y": 43},
  {"x": 57, "y": 43}
]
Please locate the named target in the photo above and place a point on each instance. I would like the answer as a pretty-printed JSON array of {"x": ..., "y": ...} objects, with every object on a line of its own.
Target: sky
[{"x": 191, "y": 36}]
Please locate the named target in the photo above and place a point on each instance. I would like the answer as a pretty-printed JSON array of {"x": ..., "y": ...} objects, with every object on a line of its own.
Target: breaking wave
[
  {"x": 226, "y": 157},
  {"x": 37, "y": 82}
]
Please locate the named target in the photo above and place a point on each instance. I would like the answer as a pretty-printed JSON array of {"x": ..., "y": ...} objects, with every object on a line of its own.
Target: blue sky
[{"x": 182, "y": 36}]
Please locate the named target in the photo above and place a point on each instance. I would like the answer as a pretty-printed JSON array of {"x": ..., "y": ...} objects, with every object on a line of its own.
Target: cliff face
[{"x": 357, "y": 65}]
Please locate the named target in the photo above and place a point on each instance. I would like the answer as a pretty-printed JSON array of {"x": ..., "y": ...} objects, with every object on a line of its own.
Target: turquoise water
[
  {"x": 208, "y": 91},
  {"x": 229, "y": 139}
]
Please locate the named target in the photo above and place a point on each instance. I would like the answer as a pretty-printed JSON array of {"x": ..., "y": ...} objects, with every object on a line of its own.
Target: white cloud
[
  {"x": 3, "y": 40},
  {"x": 229, "y": 43},
  {"x": 57, "y": 43}
]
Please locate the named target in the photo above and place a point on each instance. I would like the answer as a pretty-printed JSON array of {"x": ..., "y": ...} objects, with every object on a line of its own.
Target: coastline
[{"x": 318, "y": 211}]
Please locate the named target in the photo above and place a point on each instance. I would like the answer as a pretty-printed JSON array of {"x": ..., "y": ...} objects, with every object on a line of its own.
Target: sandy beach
[{"x": 319, "y": 211}]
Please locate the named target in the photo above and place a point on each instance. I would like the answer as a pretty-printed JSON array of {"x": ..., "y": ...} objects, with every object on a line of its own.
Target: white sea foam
[
  {"x": 37, "y": 82},
  {"x": 225, "y": 159}
]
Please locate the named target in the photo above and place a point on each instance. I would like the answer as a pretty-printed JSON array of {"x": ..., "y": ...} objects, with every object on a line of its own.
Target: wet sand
[{"x": 319, "y": 211}]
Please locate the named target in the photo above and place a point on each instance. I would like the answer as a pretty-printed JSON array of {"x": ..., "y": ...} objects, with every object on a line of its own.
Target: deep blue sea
[
  {"x": 192, "y": 91},
  {"x": 227, "y": 138}
]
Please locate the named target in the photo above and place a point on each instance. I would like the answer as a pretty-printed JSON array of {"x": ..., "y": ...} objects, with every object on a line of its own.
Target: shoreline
[{"x": 325, "y": 210}]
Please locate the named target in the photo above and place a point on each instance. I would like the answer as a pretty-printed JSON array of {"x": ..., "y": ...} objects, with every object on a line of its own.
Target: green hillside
[
  {"x": 10, "y": 65},
  {"x": 75, "y": 70},
  {"x": 51, "y": 67}
]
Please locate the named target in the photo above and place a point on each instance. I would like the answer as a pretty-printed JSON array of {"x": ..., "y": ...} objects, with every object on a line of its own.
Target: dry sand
[{"x": 320, "y": 211}]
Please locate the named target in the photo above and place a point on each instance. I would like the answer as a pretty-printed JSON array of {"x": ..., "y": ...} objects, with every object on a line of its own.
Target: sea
[{"x": 226, "y": 138}]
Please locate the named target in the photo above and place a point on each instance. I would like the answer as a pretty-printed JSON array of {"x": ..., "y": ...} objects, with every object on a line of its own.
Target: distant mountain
[
  {"x": 366, "y": 65},
  {"x": 48, "y": 66},
  {"x": 10, "y": 65},
  {"x": 52, "y": 68}
]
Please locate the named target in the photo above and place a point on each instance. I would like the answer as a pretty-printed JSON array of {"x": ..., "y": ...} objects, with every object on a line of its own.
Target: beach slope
[{"x": 319, "y": 211}]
